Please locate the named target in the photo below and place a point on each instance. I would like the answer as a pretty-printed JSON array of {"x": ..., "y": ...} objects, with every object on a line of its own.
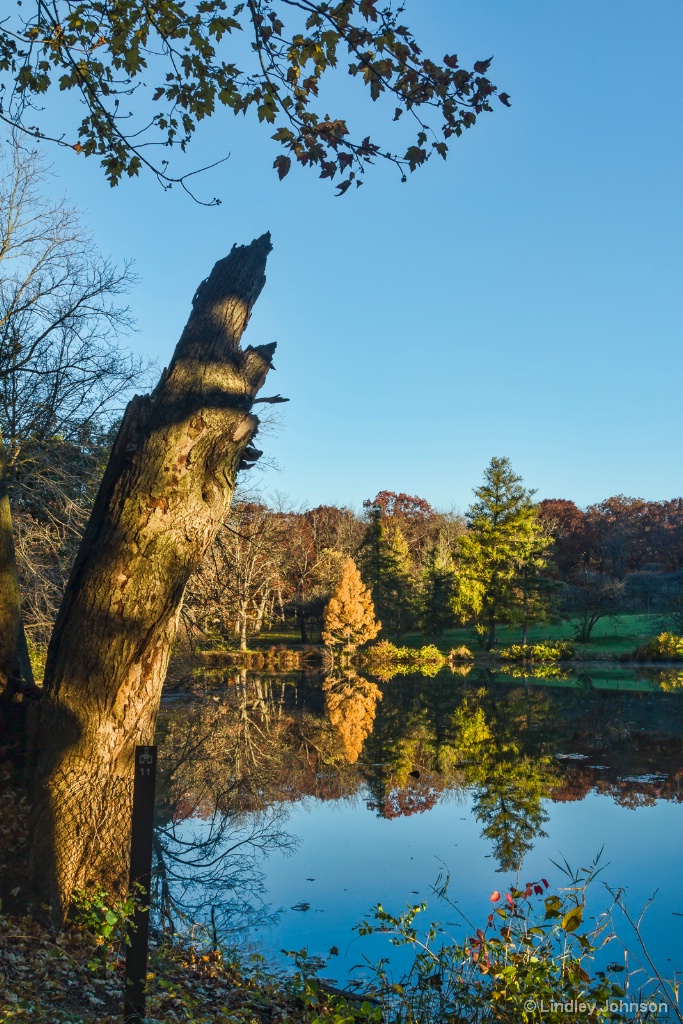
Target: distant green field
[{"x": 610, "y": 636}]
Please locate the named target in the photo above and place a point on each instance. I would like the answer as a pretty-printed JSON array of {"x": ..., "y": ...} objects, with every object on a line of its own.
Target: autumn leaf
[
  {"x": 282, "y": 164},
  {"x": 572, "y": 919}
]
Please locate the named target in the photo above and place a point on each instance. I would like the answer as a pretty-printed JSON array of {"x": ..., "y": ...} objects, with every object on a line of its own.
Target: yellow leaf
[{"x": 572, "y": 919}]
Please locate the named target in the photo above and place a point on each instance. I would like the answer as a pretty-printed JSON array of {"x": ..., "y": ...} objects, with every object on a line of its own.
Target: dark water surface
[{"x": 288, "y": 806}]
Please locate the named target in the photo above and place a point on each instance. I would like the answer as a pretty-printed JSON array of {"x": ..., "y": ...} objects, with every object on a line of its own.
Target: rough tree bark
[{"x": 165, "y": 492}]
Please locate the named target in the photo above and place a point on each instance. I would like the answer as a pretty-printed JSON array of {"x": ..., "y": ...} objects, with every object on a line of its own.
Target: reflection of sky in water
[{"x": 358, "y": 859}]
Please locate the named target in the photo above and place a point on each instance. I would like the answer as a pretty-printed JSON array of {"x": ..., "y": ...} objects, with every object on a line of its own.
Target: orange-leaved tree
[{"x": 350, "y": 613}]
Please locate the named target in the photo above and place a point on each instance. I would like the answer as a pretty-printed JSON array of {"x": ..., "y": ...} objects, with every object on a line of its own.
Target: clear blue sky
[{"x": 522, "y": 299}]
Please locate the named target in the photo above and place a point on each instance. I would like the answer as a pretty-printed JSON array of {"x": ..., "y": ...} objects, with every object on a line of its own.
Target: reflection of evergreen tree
[
  {"x": 509, "y": 783},
  {"x": 508, "y": 804}
]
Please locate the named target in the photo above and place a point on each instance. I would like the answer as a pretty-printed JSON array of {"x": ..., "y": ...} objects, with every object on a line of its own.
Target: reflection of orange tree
[{"x": 350, "y": 704}]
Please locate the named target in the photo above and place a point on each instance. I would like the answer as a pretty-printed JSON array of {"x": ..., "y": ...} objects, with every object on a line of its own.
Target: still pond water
[{"x": 288, "y": 806}]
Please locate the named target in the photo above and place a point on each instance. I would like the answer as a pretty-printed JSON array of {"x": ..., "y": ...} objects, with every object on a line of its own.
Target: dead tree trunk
[{"x": 164, "y": 495}]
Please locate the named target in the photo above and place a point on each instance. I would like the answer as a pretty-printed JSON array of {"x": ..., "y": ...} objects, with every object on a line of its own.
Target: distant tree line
[
  {"x": 621, "y": 554},
  {"x": 507, "y": 560}
]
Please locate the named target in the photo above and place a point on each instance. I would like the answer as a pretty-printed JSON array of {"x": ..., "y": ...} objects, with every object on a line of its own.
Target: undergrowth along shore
[
  {"x": 627, "y": 638},
  {"x": 532, "y": 960},
  {"x": 385, "y": 659}
]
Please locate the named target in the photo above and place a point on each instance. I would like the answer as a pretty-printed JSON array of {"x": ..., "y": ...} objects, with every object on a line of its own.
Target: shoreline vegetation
[
  {"x": 533, "y": 953},
  {"x": 626, "y": 640},
  {"x": 617, "y": 645}
]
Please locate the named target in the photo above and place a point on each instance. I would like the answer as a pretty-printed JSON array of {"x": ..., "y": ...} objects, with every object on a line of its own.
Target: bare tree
[
  {"x": 241, "y": 578},
  {"x": 63, "y": 378}
]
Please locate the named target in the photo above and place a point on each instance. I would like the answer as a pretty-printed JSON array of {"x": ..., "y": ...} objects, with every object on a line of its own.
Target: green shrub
[
  {"x": 665, "y": 647},
  {"x": 427, "y": 653},
  {"x": 388, "y": 660},
  {"x": 386, "y": 651},
  {"x": 548, "y": 650},
  {"x": 383, "y": 650},
  {"x": 106, "y": 919}
]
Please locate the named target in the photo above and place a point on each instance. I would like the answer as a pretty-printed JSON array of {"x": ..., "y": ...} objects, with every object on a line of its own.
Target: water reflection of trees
[
  {"x": 350, "y": 705},
  {"x": 232, "y": 761},
  {"x": 228, "y": 767},
  {"x": 428, "y": 745}
]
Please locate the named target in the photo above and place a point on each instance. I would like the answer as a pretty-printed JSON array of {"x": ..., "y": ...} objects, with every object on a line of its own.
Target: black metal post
[{"x": 140, "y": 873}]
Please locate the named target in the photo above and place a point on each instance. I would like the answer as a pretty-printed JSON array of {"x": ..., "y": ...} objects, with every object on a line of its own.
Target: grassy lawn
[
  {"x": 610, "y": 636},
  {"x": 279, "y": 635}
]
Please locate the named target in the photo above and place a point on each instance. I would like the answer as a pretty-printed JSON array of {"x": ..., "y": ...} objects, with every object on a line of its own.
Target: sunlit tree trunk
[
  {"x": 165, "y": 492},
  {"x": 243, "y": 621}
]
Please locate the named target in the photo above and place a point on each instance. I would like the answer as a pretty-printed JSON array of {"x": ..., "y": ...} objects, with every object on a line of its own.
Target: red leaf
[
  {"x": 282, "y": 164},
  {"x": 546, "y": 883},
  {"x": 495, "y": 896},
  {"x": 482, "y": 66},
  {"x": 509, "y": 898},
  {"x": 538, "y": 889}
]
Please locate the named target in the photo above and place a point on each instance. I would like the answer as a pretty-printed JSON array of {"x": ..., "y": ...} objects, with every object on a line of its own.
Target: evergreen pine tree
[
  {"x": 387, "y": 569},
  {"x": 504, "y": 540},
  {"x": 438, "y": 591},
  {"x": 535, "y": 589},
  {"x": 400, "y": 589},
  {"x": 350, "y": 615}
]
